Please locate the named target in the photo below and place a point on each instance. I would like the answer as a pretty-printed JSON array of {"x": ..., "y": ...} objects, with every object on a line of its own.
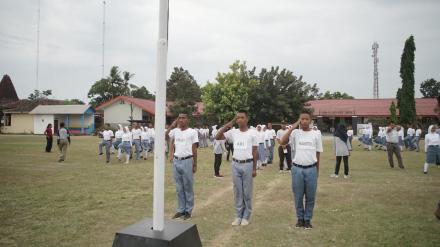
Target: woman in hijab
[
  {"x": 432, "y": 147},
  {"x": 342, "y": 147}
]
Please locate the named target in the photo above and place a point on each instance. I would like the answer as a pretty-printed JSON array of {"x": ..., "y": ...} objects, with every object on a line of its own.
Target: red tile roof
[
  {"x": 367, "y": 107},
  {"x": 145, "y": 105}
]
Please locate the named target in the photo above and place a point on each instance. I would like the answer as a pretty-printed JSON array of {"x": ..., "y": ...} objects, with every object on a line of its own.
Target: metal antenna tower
[
  {"x": 375, "y": 47},
  {"x": 103, "y": 37}
]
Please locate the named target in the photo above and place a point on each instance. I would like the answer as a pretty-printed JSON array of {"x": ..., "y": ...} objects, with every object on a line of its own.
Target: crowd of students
[{"x": 252, "y": 149}]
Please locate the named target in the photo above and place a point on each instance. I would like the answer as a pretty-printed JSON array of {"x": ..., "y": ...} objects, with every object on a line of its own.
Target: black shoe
[
  {"x": 299, "y": 224},
  {"x": 100, "y": 154},
  {"x": 308, "y": 225},
  {"x": 178, "y": 215},
  {"x": 187, "y": 216},
  {"x": 425, "y": 172}
]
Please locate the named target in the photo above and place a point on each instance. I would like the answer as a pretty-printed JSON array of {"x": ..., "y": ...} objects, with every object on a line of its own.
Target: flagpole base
[{"x": 141, "y": 234}]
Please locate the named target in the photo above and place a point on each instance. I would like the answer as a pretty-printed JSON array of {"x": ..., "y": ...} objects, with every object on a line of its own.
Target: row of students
[
  {"x": 142, "y": 138},
  {"x": 183, "y": 155}
]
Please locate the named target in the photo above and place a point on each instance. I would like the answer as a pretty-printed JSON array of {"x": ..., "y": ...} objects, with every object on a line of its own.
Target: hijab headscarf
[{"x": 341, "y": 132}]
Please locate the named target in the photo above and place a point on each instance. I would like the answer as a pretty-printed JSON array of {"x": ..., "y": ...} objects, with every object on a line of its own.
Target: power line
[
  {"x": 103, "y": 37},
  {"x": 38, "y": 48}
]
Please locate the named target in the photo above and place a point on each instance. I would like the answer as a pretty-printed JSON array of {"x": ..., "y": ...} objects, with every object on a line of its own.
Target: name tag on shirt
[
  {"x": 240, "y": 145},
  {"x": 179, "y": 140}
]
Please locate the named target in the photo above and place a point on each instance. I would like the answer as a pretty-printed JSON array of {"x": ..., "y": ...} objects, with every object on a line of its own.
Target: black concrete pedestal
[{"x": 174, "y": 234}]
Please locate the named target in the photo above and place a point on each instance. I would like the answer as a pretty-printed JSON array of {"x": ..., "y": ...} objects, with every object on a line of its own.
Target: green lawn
[{"x": 83, "y": 202}]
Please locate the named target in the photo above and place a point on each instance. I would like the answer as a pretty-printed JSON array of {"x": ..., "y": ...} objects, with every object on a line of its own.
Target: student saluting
[
  {"x": 244, "y": 164},
  {"x": 308, "y": 147}
]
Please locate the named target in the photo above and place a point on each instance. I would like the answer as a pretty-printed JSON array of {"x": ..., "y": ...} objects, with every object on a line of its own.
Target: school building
[
  {"x": 124, "y": 110},
  {"x": 329, "y": 113}
]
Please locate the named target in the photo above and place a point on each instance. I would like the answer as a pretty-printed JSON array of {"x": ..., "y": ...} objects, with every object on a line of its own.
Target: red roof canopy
[
  {"x": 145, "y": 105},
  {"x": 367, "y": 107}
]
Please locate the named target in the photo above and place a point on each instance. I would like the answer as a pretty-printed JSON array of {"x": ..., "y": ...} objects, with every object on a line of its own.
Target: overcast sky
[{"x": 328, "y": 42}]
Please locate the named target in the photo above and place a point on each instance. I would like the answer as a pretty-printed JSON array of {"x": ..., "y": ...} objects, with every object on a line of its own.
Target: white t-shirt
[
  {"x": 260, "y": 136},
  {"x": 272, "y": 133},
  {"x": 118, "y": 134},
  {"x": 418, "y": 132},
  {"x": 350, "y": 132},
  {"x": 126, "y": 137},
  {"x": 136, "y": 134},
  {"x": 401, "y": 132},
  {"x": 307, "y": 143},
  {"x": 151, "y": 133},
  {"x": 432, "y": 139},
  {"x": 145, "y": 136},
  {"x": 183, "y": 141},
  {"x": 280, "y": 134},
  {"x": 243, "y": 142},
  {"x": 107, "y": 135},
  {"x": 410, "y": 132}
]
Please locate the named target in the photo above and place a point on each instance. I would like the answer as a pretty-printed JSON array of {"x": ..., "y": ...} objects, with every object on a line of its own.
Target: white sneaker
[
  {"x": 334, "y": 176},
  {"x": 244, "y": 222},
  {"x": 346, "y": 176},
  {"x": 236, "y": 222}
]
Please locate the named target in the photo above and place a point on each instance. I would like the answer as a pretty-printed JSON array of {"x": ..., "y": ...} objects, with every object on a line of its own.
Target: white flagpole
[{"x": 159, "y": 119}]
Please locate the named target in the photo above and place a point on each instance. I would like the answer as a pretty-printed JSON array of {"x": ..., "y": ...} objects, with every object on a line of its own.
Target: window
[{"x": 7, "y": 118}]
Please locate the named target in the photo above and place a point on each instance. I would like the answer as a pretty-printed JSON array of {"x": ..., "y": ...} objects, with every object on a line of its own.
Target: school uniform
[
  {"x": 408, "y": 140},
  {"x": 432, "y": 149},
  {"x": 107, "y": 138},
  {"x": 284, "y": 153},
  {"x": 261, "y": 148},
  {"x": 145, "y": 143},
  {"x": 401, "y": 136},
  {"x": 151, "y": 134},
  {"x": 393, "y": 138},
  {"x": 126, "y": 144},
  {"x": 137, "y": 142},
  {"x": 272, "y": 136},
  {"x": 342, "y": 151},
  {"x": 218, "y": 148},
  {"x": 350, "y": 137},
  {"x": 183, "y": 167},
  {"x": 417, "y": 139},
  {"x": 305, "y": 173},
  {"x": 268, "y": 145},
  {"x": 242, "y": 169}
]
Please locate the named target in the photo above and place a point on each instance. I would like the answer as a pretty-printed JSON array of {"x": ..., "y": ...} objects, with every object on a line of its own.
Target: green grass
[{"x": 83, "y": 202}]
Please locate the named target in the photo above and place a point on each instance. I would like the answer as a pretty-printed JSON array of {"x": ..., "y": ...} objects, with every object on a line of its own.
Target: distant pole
[
  {"x": 159, "y": 119},
  {"x": 375, "y": 47},
  {"x": 103, "y": 37},
  {"x": 38, "y": 48}
]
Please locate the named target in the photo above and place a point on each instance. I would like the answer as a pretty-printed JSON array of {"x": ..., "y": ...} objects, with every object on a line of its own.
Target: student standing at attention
[
  {"x": 308, "y": 147},
  {"x": 244, "y": 164},
  {"x": 183, "y": 156}
]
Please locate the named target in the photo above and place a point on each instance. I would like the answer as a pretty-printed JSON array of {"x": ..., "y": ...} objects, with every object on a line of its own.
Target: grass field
[{"x": 83, "y": 202}]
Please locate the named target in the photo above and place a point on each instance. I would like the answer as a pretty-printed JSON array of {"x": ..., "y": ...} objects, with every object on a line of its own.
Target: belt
[
  {"x": 183, "y": 158},
  {"x": 433, "y": 145},
  {"x": 261, "y": 143},
  {"x": 304, "y": 167},
  {"x": 242, "y": 161}
]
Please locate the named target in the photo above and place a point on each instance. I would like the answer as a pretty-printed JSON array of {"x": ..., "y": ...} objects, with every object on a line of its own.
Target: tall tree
[
  {"x": 229, "y": 93},
  {"x": 393, "y": 112},
  {"x": 183, "y": 91},
  {"x": 430, "y": 88},
  {"x": 110, "y": 87},
  {"x": 272, "y": 95},
  {"x": 407, "y": 103}
]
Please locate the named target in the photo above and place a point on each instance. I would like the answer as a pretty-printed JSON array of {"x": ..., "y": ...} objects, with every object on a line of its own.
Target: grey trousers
[
  {"x": 184, "y": 179},
  {"x": 243, "y": 183},
  {"x": 108, "y": 145},
  {"x": 394, "y": 148},
  {"x": 63, "y": 148}
]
